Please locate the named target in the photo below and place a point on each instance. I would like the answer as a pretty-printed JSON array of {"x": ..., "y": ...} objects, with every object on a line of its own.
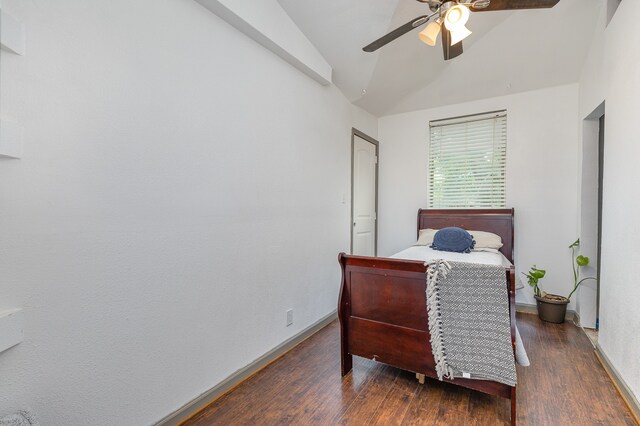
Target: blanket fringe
[{"x": 435, "y": 270}]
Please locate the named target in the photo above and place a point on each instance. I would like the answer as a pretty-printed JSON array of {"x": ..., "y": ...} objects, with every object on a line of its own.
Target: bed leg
[
  {"x": 346, "y": 363},
  {"x": 513, "y": 406},
  {"x": 420, "y": 378},
  {"x": 346, "y": 359}
]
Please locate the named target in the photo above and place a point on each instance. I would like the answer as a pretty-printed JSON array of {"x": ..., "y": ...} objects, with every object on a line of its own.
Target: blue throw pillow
[{"x": 453, "y": 239}]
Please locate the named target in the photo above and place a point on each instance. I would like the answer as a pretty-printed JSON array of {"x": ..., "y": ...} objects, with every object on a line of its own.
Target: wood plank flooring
[{"x": 565, "y": 385}]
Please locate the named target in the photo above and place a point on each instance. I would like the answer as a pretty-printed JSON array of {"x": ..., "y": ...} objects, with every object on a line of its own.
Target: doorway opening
[
  {"x": 588, "y": 296},
  {"x": 364, "y": 194}
]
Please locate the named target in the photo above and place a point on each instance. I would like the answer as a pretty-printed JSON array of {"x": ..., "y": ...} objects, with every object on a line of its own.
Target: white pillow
[
  {"x": 425, "y": 237},
  {"x": 485, "y": 241},
  {"x": 486, "y": 249}
]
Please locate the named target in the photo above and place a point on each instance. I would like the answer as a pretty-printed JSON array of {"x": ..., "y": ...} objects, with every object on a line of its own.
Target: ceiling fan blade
[
  {"x": 450, "y": 51},
  {"x": 516, "y": 4},
  {"x": 388, "y": 38}
]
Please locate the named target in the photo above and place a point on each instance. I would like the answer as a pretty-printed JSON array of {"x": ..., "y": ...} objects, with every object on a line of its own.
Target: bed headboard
[{"x": 498, "y": 221}]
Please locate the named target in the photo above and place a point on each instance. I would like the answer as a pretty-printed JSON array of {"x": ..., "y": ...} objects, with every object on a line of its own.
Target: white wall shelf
[
  {"x": 11, "y": 135},
  {"x": 11, "y": 329}
]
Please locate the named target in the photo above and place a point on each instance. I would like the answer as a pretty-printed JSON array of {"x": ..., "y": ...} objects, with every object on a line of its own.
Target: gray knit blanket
[{"x": 469, "y": 321}]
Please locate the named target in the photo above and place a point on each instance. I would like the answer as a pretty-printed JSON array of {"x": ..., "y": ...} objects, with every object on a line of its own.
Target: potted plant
[{"x": 552, "y": 307}]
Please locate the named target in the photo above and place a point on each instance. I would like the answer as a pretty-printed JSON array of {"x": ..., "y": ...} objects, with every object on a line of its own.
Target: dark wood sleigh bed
[{"x": 382, "y": 304}]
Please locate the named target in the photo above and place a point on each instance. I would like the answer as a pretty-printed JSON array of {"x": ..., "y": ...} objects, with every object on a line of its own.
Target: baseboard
[
  {"x": 526, "y": 308},
  {"x": 620, "y": 384},
  {"x": 241, "y": 375}
]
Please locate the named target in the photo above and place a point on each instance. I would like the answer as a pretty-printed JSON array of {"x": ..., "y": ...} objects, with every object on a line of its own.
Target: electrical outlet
[{"x": 289, "y": 317}]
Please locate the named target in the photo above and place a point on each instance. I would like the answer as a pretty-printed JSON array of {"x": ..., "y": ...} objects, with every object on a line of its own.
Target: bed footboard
[
  {"x": 382, "y": 312},
  {"x": 383, "y": 316}
]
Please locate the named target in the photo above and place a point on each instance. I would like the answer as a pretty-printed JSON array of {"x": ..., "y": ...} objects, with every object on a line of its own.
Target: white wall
[
  {"x": 180, "y": 189},
  {"x": 620, "y": 292},
  {"x": 267, "y": 23},
  {"x": 591, "y": 106},
  {"x": 542, "y": 171},
  {"x": 592, "y": 75}
]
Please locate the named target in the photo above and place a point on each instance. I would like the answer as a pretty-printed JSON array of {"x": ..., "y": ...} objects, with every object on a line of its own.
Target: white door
[{"x": 363, "y": 230}]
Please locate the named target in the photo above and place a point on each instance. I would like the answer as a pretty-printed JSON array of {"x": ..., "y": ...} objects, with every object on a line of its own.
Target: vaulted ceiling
[{"x": 508, "y": 51}]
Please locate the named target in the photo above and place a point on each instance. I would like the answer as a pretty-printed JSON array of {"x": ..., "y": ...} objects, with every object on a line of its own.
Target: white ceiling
[{"x": 507, "y": 52}]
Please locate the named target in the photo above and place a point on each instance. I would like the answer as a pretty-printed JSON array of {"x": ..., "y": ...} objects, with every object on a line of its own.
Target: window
[{"x": 467, "y": 161}]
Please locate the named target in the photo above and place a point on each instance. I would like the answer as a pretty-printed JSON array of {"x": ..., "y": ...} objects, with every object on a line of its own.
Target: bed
[{"x": 382, "y": 302}]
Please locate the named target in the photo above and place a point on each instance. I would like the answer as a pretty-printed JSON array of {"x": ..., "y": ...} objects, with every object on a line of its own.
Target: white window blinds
[{"x": 467, "y": 161}]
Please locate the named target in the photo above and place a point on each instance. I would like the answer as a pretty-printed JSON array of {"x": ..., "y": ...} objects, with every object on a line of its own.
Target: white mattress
[{"x": 425, "y": 253}]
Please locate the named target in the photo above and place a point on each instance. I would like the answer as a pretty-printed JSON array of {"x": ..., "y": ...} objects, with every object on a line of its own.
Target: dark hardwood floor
[{"x": 565, "y": 385}]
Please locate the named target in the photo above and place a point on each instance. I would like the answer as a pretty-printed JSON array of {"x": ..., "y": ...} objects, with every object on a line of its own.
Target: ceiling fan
[{"x": 450, "y": 19}]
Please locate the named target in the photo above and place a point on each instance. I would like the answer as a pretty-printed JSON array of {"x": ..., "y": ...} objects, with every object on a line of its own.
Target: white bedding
[{"x": 425, "y": 254}]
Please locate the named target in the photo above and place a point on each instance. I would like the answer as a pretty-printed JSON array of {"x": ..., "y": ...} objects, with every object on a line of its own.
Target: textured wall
[
  {"x": 619, "y": 314},
  {"x": 180, "y": 189}
]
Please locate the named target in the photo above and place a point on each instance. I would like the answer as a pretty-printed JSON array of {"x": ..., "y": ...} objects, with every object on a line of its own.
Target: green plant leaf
[
  {"x": 533, "y": 277},
  {"x": 582, "y": 260},
  {"x": 539, "y": 273}
]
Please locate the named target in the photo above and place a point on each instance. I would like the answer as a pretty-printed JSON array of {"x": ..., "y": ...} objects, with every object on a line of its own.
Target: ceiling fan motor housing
[{"x": 434, "y": 5}]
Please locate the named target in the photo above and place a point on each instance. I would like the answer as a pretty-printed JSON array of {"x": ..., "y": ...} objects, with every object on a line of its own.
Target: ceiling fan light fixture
[
  {"x": 459, "y": 33},
  {"x": 430, "y": 34},
  {"x": 456, "y": 16}
]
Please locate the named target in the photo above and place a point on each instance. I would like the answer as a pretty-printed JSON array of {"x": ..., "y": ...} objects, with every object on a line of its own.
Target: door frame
[
  {"x": 355, "y": 132},
  {"x": 601, "y": 142}
]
